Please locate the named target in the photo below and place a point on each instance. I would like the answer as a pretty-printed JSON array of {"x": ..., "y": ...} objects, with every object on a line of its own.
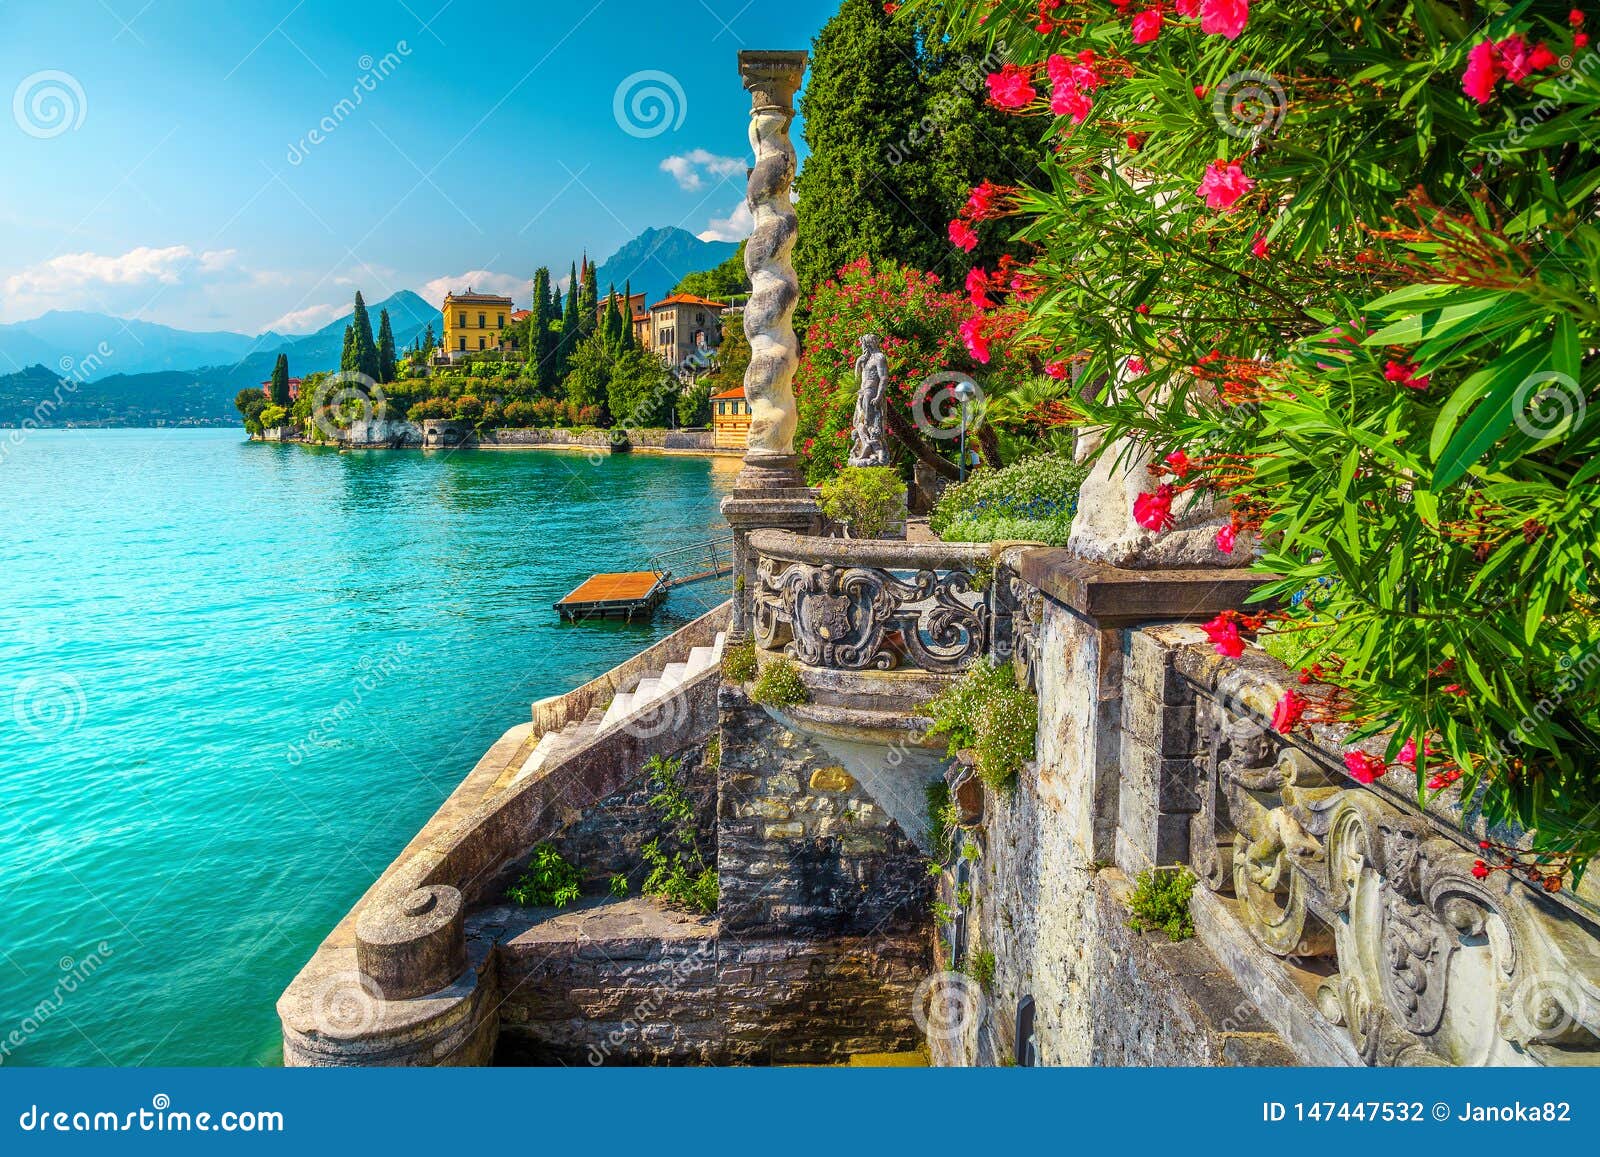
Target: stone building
[{"x": 685, "y": 329}]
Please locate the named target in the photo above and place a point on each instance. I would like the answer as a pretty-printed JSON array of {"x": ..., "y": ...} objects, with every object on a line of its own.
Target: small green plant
[
  {"x": 549, "y": 882},
  {"x": 944, "y": 913},
  {"x": 678, "y": 871},
  {"x": 739, "y": 661},
  {"x": 779, "y": 685},
  {"x": 713, "y": 757},
  {"x": 619, "y": 886},
  {"x": 981, "y": 968},
  {"x": 1160, "y": 900},
  {"x": 866, "y": 500},
  {"x": 988, "y": 712},
  {"x": 942, "y": 818},
  {"x": 1032, "y": 500},
  {"x": 964, "y": 896}
]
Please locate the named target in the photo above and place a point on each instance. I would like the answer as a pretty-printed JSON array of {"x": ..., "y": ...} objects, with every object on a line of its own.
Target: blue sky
[{"x": 161, "y": 161}]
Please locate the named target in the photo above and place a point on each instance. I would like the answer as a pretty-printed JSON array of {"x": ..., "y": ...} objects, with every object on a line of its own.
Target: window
[
  {"x": 700, "y": 318},
  {"x": 483, "y": 343},
  {"x": 481, "y": 325},
  {"x": 1027, "y": 1052},
  {"x": 461, "y": 320},
  {"x": 462, "y": 344},
  {"x": 499, "y": 321}
]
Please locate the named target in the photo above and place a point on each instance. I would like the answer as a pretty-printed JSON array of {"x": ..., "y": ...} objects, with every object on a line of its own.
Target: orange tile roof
[
  {"x": 521, "y": 313},
  {"x": 736, "y": 392},
  {"x": 688, "y": 299}
]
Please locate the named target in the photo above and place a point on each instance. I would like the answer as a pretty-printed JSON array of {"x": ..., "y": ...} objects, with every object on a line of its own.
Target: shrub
[
  {"x": 521, "y": 414},
  {"x": 469, "y": 407},
  {"x": 779, "y": 685},
  {"x": 273, "y": 416},
  {"x": 549, "y": 881},
  {"x": 990, "y": 714},
  {"x": 982, "y": 968},
  {"x": 1039, "y": 490},
  {"x": 739, "y": 661},
  {"x": 619, "y": 886},
  {"x": 678, "y": 870},
  {"x": 867, "y": 500},
  {"x": 942, "y": 822},
  {"x": 432, "y": 408},
  {"x": 1160, "y": 901}
]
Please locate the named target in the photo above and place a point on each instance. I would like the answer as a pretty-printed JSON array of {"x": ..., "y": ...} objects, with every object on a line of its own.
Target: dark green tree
[
  {"x": 364, "y": 350},
  {"x": 388, "y": 366},
  {"x": 347, "y": 358},
  {"x": 428, "y": 340},
  {"x": 541, "y": 346},
  {"x": 614, "y": 327},
  {"x": 589, "y": 301},
  {"x": 571, "y": 327},
  {"x": 724, "y": 281},
  {"x": 279, "y": 390}
]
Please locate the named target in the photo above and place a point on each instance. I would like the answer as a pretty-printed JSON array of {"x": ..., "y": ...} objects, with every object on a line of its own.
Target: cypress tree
[
  {"x": 627, "y": 315},
  {"x": 589, "y": 301},
  {"x": 427, "y": 340},
  {"x": 279, "y": 390},
  {"x": 571, "y": 327},
  {"x": 347, "y": 359},
  {"x": 364, "y": 351},
  {"x": 540, "y": 346},
  {"x": 388, "y": 366},
  {"x": 612, "y": 333}
]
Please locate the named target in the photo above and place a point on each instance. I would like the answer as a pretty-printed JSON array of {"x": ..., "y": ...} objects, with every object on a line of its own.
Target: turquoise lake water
[{"x": 179, "y": 611}]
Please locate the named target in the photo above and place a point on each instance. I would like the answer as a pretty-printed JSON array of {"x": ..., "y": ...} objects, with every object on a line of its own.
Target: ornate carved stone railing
[
  {"x": 1357, "y": 890},
  {"x": 870, "y": 605}
]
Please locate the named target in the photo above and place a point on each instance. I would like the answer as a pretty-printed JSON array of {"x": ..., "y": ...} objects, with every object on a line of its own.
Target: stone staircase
[{"x": 554, "y": 746}]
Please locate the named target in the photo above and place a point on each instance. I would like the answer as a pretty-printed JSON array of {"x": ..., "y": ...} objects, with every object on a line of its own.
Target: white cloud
[
  {"x": 691, "y": 169},
  {"x": 735, "y": 226},
  {"x": 479, "y": 281},
  {"x": 307, "y": 320},
  {"x": 118, "y": 282}
]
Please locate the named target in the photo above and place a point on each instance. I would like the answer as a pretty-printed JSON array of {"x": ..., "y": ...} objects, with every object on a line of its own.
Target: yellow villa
[
  {"x": 474, "y": 322},
  {"x": 730, "y": 418}
]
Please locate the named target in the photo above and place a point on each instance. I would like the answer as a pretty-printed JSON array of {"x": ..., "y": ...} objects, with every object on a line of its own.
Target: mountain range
[{"x": 152, "y": 373}]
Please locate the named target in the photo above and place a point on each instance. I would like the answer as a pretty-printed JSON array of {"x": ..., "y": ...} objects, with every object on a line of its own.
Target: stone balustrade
[{"x": 871, "y": 605}]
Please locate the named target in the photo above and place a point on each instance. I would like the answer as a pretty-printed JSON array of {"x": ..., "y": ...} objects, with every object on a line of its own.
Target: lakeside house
[
  {"x": 638, "y": 315},
  {"x": 294, "y": 388},
  {"x": 730, "y": 418},
  {"x": 685, "y": 328},
  {"x": 474, "y": 322}
]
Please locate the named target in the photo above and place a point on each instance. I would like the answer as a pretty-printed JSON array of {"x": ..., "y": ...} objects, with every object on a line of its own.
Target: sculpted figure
[{"x": 867, "y": 443}]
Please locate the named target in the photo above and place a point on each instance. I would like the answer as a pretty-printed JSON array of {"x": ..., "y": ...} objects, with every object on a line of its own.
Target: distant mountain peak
[{"x": 658, "y": 258}]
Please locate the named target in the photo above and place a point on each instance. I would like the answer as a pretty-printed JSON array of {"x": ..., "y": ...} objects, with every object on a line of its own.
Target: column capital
[{"x": 772, "y": 77}]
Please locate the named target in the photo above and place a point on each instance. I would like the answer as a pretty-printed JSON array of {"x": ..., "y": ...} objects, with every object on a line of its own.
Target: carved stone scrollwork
[
  {"x": 831, "y": 607},
  {"x": 1434, "y": 966},
  {"x": 1024, "y": 607}
]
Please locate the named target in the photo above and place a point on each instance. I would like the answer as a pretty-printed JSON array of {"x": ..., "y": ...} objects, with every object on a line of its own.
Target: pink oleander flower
[
  {"x": 1179, "y": 463},
  {"x": 978, "y": 289},
  {"x": 1406, "y": 374},
  {"x": 1288, "y": 710},
  {"x": 1258, "y": 247},
  {"x": 1223, "y": 184},
  {"x": 1010, "y": 87},
  {"x": 1483, "y": 72},
  {"x": 1147, "y": 25},
  {"x": 977, "y": 341},
  {"x": 1188, "y": 7},
  {"x": 1056, "y": 370},
  {"x": 1154, "y": 511},
  {"x": 1226, "y": 538},
  {"x": 1223, "y": 634},
  {"x": 1136, "y": 366},
  {"x": 1364, "y": 768},
  {"x": 1224, "y": 17},
  {"x": 962, "y": 236},
  {"x": 1066, "y": 102}
]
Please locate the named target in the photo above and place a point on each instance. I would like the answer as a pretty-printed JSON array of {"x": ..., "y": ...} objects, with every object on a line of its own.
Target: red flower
[
  {"x": 1574, "y": 18},
  {"x": 1147, "y": 25},
  {"x": 1056, "y": 370},
  {"x": 1258, "y": 247},
  {"x": 1141, "y": 308},
  {"x": 1154, "y": 511},
  {"x": 1483, "y": 72},
  {"x": 1223, "y": 184},
  {"x": 978, "y": 289},
  {"x": 1288, "y": 710},
  {"x": 1136, "y": 366},
  {"x": 1224, "y": 17},
  {"x": 1010, "y": 87},
  {"x": 962, "y": 236},
  {"x": 1480, "y": 870},
  {"x": 977, "y": 342},
  {"x": 1405, "y": 373},
  {"x": 1226, "y": 536},
  {"x": 1068, "y": 103},
  {"x": 1135, "y": 142},
  {"x": 1200, "y": 91},
  {"x": 1178, "y": 462},
  {"x": 1188, "y": 7},
  {"x": 1364, "y": 768},
  {"x": 1580, "y": 40},
  {"x": 1223, "y": 634}
]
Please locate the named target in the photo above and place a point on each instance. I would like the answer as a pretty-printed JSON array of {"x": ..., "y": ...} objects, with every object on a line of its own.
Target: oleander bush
[
  {"x": 1339, "y": 269},
  {"x": 865, "y": 500}
]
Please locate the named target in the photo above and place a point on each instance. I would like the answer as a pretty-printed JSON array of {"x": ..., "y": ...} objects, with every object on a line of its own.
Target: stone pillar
[{"x": 769, "y": 491}]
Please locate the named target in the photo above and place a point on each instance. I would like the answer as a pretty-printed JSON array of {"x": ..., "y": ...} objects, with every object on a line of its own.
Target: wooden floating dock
[{"x": 616, "y": 596}]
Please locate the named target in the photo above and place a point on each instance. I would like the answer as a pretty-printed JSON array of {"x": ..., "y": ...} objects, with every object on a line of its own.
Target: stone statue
[{"x": 867, "y": 445}]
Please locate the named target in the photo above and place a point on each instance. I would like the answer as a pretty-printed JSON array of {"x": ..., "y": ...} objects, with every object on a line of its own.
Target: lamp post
[{"x": 966, "y": 391}]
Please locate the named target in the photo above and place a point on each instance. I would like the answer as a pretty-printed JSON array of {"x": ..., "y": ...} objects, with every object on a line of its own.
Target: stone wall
[{"x": 688, "y": 441}]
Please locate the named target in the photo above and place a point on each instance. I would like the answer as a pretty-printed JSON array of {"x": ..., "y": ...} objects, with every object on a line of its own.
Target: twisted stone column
[
  {"x": 769, "y": 492},
  {"x": 772, "y": 79}
]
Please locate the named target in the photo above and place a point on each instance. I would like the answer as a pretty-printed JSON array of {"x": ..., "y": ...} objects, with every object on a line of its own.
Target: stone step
[
  {"x": 620, "y": 706},
  {"x": 699, "y": 659},
  {"x": 649, "y": 687},
  {"x": 673, "y": 674}
]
